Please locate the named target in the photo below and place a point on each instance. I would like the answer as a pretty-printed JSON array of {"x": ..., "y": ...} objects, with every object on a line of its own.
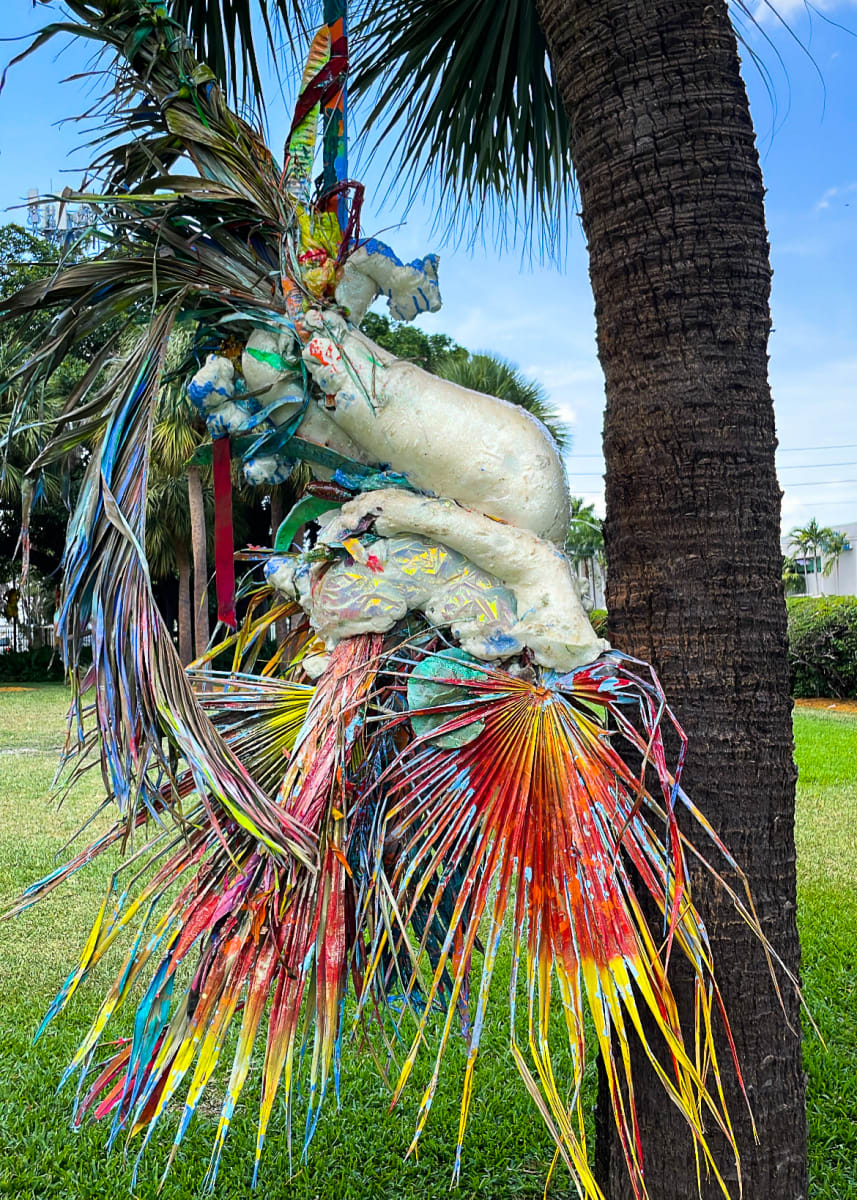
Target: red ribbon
[{"x": 224, "y": 553}]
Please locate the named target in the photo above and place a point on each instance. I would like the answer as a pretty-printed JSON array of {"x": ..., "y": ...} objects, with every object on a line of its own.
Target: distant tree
[
  {"x": 428, "y": 350},
  {"x": 810, "y": 541},
  {"x": 794, "y": 577},
  {"x": 177, "y": 516},
  {"x": 25, "y": 258},
  {"x": 585, "y": 545},
  {"x": 834, "y": 547},
  {"x": 168, "y": 546}
]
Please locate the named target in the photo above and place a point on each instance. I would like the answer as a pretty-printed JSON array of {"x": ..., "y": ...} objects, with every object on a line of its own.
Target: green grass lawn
[{"x": 357, "y": 1152}]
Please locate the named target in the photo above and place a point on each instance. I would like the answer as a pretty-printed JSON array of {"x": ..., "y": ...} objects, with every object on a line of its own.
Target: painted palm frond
[
  {"x": 300, "y": 147},
  {"x": 538, "y": 809},
  {"x": 143, "y": 695},
  {"x": 258, "y": 719},
  {"x": 251, "y": 644},
  {"x": 466, "y": 92},
  {"x": 266, "y": 939},
  {"x": 539, "y": 827}
]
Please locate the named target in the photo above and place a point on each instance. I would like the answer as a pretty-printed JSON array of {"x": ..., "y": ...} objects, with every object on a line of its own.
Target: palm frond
[
  {"x": 143, "y": 695},
  {"x": 539, "y": 821},
  {"x": 539, "y": 818},
  {"x": 465, "y": 92},
  {"x": 223, "y": 33},
  {"x": 264, "y": 934}
]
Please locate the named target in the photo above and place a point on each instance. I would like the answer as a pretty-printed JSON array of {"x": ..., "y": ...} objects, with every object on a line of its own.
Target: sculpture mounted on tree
[{"x": 440, "y": 741}]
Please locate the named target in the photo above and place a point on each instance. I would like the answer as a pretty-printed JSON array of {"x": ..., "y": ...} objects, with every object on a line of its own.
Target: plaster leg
[{"x": 551, "y": 619}]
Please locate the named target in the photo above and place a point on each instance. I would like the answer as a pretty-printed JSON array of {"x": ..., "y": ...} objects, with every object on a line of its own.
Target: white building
[{"x": 842, "y": 580}]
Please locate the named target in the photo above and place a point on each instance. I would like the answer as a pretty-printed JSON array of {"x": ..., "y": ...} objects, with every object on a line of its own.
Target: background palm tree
[
  {"x": 835, "y": 545},
  {"x": 168, "y": 546},
  {"x": 794, "y": 577},
  {"x": 811, "y": 541},
  {"x": 25, "y": 258},
  {"x": 585, "y": 547},
  {"x": 178, "y": 431}
]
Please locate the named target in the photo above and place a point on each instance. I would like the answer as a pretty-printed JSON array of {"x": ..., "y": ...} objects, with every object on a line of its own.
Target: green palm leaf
[
  {"x": 222, "y": 34},
  {"x": 466, "y": 90}
]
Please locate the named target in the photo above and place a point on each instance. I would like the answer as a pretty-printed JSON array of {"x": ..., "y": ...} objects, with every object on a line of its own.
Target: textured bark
[
  {"x": 672, "y": 207},
  {"x": 201, "y": 626},
  {"x": 184, "y": 605}
]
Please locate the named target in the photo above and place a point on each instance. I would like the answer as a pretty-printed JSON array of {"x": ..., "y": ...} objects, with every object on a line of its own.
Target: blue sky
[{"x": 542, "y": 317}]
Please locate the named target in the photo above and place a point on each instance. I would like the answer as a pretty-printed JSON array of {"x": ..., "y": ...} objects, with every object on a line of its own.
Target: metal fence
[{"x": 21, "y": 636}]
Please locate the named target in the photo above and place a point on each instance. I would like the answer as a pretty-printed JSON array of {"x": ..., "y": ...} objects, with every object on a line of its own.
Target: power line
[
  {"x": 780, "y": 450},
  {"x": 801, "y": 449},
  {"x": 813, "y": 466},
  {"x": 823, "y": 483},
  {"x": 827, "y": 504}
]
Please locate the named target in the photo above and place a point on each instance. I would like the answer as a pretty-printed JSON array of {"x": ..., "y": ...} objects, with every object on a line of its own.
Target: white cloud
[{"x": 838, "y": 194}]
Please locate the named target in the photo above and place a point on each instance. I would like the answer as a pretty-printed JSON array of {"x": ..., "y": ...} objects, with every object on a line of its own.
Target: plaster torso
[{"x": 485, "y": 453}]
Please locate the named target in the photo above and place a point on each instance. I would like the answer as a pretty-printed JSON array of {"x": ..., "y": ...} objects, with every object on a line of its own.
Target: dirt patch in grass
[{"x": 842, "y": 706}]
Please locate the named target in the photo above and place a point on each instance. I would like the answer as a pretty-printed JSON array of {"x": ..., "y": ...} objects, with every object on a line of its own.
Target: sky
[{"x": 804, "y": 103}]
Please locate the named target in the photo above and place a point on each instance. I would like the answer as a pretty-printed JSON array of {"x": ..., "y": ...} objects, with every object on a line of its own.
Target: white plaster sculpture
[
  {"x": 550, "y": 619},
  {"x": 480, "y": 551}
]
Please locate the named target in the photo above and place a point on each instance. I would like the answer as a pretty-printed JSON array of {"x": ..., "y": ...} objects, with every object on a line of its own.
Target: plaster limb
[
  {"x": 373, "y": 269},
  {"x": 270, "y": 370},
  {"x": 550, "y": 617},
  {"x": 391, "y": 577},
  {"x": 489, "y": 455}
]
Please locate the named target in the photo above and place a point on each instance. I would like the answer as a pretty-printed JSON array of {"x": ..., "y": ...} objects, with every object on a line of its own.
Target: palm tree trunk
[
  {"x": 185, "y": 620},
  {"x": 196, "y": 505},
  {"x": 672, "y": 193}
]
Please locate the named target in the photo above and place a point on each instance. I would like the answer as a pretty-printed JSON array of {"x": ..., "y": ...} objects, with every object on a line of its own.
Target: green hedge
[
  {"x": 30, "y": 666},
  {"x": 823, "y": 646}
]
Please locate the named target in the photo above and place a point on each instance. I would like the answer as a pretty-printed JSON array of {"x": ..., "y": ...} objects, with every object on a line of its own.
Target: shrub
[
  {"x": 31, "y": 666},
  {"x": 823, "y": 645},
  {"x": 598, "y": 620}
]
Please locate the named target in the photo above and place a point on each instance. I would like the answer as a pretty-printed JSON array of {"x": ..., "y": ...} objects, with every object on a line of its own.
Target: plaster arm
[{"x": 551, "y": 620}]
